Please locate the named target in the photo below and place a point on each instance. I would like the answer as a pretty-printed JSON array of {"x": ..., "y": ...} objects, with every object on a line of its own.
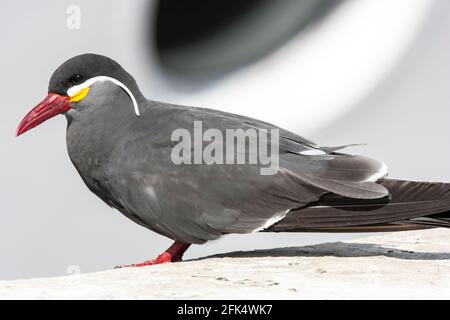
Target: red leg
[{"x": 173, "y": 254}]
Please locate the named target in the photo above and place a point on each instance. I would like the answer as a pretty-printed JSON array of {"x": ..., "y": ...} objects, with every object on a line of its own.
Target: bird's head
[{"x": 72, "y": 82}]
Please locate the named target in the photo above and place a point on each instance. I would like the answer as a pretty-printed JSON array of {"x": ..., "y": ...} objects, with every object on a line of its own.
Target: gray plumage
[{"x": 126, "y": 161}]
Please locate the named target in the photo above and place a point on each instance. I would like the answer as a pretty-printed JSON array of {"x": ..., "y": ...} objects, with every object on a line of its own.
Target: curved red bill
[{"x": 51, "y": 106}]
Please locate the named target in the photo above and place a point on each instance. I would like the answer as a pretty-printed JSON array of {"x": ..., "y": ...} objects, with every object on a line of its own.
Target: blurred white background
[{"x": 367, "y": 71}]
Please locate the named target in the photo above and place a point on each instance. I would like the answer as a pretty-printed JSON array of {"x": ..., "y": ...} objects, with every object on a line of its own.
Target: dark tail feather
[{"x": 410, "y": 206}]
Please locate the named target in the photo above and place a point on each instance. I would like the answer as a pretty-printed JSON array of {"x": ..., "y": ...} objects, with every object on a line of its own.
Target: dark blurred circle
[{"x": 204, "y": 38}]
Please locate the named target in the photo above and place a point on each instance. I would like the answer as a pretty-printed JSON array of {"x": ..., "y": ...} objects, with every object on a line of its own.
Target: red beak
[{"x": 51, "y": 106}]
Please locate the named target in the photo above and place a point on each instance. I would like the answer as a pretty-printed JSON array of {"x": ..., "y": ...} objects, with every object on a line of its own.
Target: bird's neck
[{"x": 92, "y": 137}]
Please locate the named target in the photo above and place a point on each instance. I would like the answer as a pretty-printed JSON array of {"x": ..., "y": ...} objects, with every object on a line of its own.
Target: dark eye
[{"x": 77, "y": 79}]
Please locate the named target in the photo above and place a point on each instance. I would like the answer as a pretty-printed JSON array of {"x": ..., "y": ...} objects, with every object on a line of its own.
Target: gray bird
[{"x": 122, "y": 146}]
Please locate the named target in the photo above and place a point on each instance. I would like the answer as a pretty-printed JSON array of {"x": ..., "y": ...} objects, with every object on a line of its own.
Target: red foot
[{"x": 173, "y": 254}]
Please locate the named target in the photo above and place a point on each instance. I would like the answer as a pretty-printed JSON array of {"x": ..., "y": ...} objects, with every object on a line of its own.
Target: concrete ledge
[{"x": 407, "y": 265}]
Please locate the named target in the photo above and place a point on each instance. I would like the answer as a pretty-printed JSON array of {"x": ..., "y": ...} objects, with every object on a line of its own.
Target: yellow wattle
[{"x": 80, "y": 95}]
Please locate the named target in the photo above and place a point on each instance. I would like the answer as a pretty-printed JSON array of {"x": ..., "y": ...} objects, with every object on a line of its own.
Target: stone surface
[{"x": 407, "y": 265}]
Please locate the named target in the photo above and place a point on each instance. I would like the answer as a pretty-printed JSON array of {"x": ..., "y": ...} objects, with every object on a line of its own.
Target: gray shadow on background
[{"x": 226, "y": 36}]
